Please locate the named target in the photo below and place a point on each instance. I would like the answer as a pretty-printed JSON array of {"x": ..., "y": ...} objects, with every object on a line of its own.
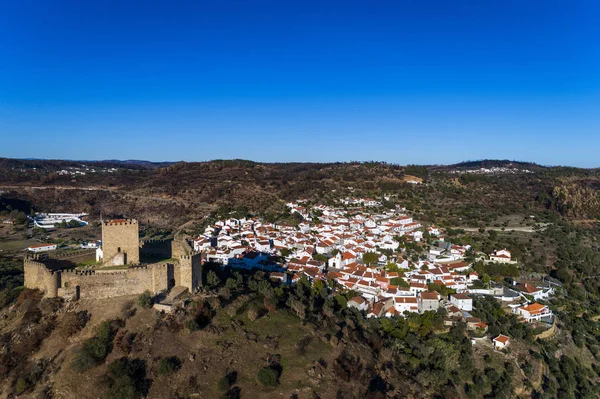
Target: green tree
[
  {"x": 268, "y": 376},
  {"x": 370, "y": 257},
  {"x": 320, "y": 257},
  {"x": 145, "y": 300},
  {"x": 212, "y": 279},
  {"x": 399, "y": 281},
  {"x": 168, "y": 365},
  {"x": 486, "y": 279}
]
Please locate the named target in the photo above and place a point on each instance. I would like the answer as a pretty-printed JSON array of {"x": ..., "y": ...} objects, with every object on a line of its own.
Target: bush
[
  {"x": 95, "y": 349},
  {"x": 21, "y": 386},
  {"x": 168, "y": 365},
  {"x": 73, "y": 322},
  {"x": 145, "y": 300},
  {"x": 268, "y": 376},
  {"x": 126, "y": 379},
  {"x": 227, "y": 381}
]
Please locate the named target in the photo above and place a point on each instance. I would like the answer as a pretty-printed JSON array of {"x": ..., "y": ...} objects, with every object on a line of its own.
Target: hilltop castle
[{"x": 120, "y": 272}]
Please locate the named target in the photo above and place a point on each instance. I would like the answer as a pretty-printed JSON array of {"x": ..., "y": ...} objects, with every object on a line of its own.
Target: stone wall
[
  {"x": 156, "y": 248},
  {"x": 190, "y": 271},
  {"x": 181, "y": 247},
  {"x": 37, "y": 276},
  {"x": 107, "y": 283},
  {"x": 121, "y": 236},
  {"x": 114, "y": 283}
]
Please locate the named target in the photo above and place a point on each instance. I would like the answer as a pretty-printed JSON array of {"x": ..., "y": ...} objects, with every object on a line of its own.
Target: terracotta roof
[
  {"x": 528, "y": 288},
  {"x": 502, "y": 338},
  {"x": 533, "y": 308},
  {"x": 460, "y": 296},
  {"x": 429, "y": 295},
  {"x": 358, "y": 299}
]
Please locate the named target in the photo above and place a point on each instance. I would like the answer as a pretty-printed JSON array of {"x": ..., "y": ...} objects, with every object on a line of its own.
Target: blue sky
[{"x": 399, "y": 81}]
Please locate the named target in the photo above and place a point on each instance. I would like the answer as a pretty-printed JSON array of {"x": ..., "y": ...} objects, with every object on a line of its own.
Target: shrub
[
  {"x": 302, "y": 344},
  {"x": 268, "y": 376},
  {"x": 227, "y": 381},
  {"x": 21, "y": 386},
  {"x": 95, "y": 349},
  {"x": 225, "y": 292},
  {"x": 126, "y": 379},
  {"x": 8, "y": 296},
  {"x": 73, "y": 322},
  {"x": 192, "y": 325},
  {"x": 145, "y": 300},
  {"x": 168, "y": 365}
]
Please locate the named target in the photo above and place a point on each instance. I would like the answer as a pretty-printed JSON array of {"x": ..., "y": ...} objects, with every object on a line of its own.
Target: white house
[
  {"x": 462, "y": 301},
  {"x": 42, "y": 247},
  {"x": 406, "y": 304},
  {"x": 501, "y": 342},
  {"x": 359, "y": 303},
  {"x": 536, "y": 292},
  {"x": 502, "y": 256},
  {"x": 433, "y": 231},
  {"x": 534, "y": 311}
]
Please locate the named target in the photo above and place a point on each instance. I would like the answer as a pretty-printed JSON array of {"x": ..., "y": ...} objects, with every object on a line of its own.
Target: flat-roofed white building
[{"x": 42, "y": 247}]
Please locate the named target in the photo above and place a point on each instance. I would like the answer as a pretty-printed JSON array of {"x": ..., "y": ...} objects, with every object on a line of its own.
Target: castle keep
[
  {"x": 120, "y": 242},
  {"x": 120, "y": 272}
]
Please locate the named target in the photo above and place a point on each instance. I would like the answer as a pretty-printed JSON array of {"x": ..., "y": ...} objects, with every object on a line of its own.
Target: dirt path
[{"x": 524, "y": 229}]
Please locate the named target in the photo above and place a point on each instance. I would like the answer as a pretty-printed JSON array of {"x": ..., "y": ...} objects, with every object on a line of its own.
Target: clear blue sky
[{"x": 398, "y": 81}]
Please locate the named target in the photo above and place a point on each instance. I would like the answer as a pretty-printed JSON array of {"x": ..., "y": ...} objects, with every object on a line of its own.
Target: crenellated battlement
[
  {"x": 156, "y": 241},
  {"x": 119, "y": 222},
  {"x": 193, "y": 255},
  {"x": 35, "y": 263}
]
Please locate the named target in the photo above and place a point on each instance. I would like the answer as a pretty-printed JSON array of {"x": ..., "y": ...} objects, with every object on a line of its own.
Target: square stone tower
[{"x": 120, "y": 242}]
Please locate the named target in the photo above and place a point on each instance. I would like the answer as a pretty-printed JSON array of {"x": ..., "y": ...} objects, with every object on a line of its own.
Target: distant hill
[
  {"x": 169, "y": 194},
  {"x": 491, "y": 163},
  {"x": 57, "y": 164}
]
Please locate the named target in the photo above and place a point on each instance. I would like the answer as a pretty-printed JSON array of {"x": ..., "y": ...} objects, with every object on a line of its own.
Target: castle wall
[
  {"x": 107, "y": 284},
  {"x": 180, "y": 247},
  {"x": 190, "y": 271},
  {"x": 156, "y": 248},
  {"x": 37, "y": 276},
  {"x": 121, "y": 236}
]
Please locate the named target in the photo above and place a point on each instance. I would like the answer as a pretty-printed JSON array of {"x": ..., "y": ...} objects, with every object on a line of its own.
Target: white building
[
  {"x": 502, "y": 256},
  {"x": 533, "y": 312},
  {"x": 501, "y": 342},
  {"x": 48, "y": 220},
  {"x": 462, "y": 301},
  {"x": 359, "y": 303},
  {"x": 42, "y": 247}
]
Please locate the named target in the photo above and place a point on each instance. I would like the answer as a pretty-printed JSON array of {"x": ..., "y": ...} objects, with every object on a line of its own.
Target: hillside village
[{"x": 390, "y": 261}]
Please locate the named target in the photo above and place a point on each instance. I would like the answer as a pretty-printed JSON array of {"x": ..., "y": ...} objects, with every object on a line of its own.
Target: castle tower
[
  {"x": 190, "y": 271},
  {"x": 120, "y": 242}
]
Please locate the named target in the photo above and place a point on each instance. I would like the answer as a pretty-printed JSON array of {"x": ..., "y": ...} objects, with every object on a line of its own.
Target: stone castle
[{"x": 120, "y": 271}]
